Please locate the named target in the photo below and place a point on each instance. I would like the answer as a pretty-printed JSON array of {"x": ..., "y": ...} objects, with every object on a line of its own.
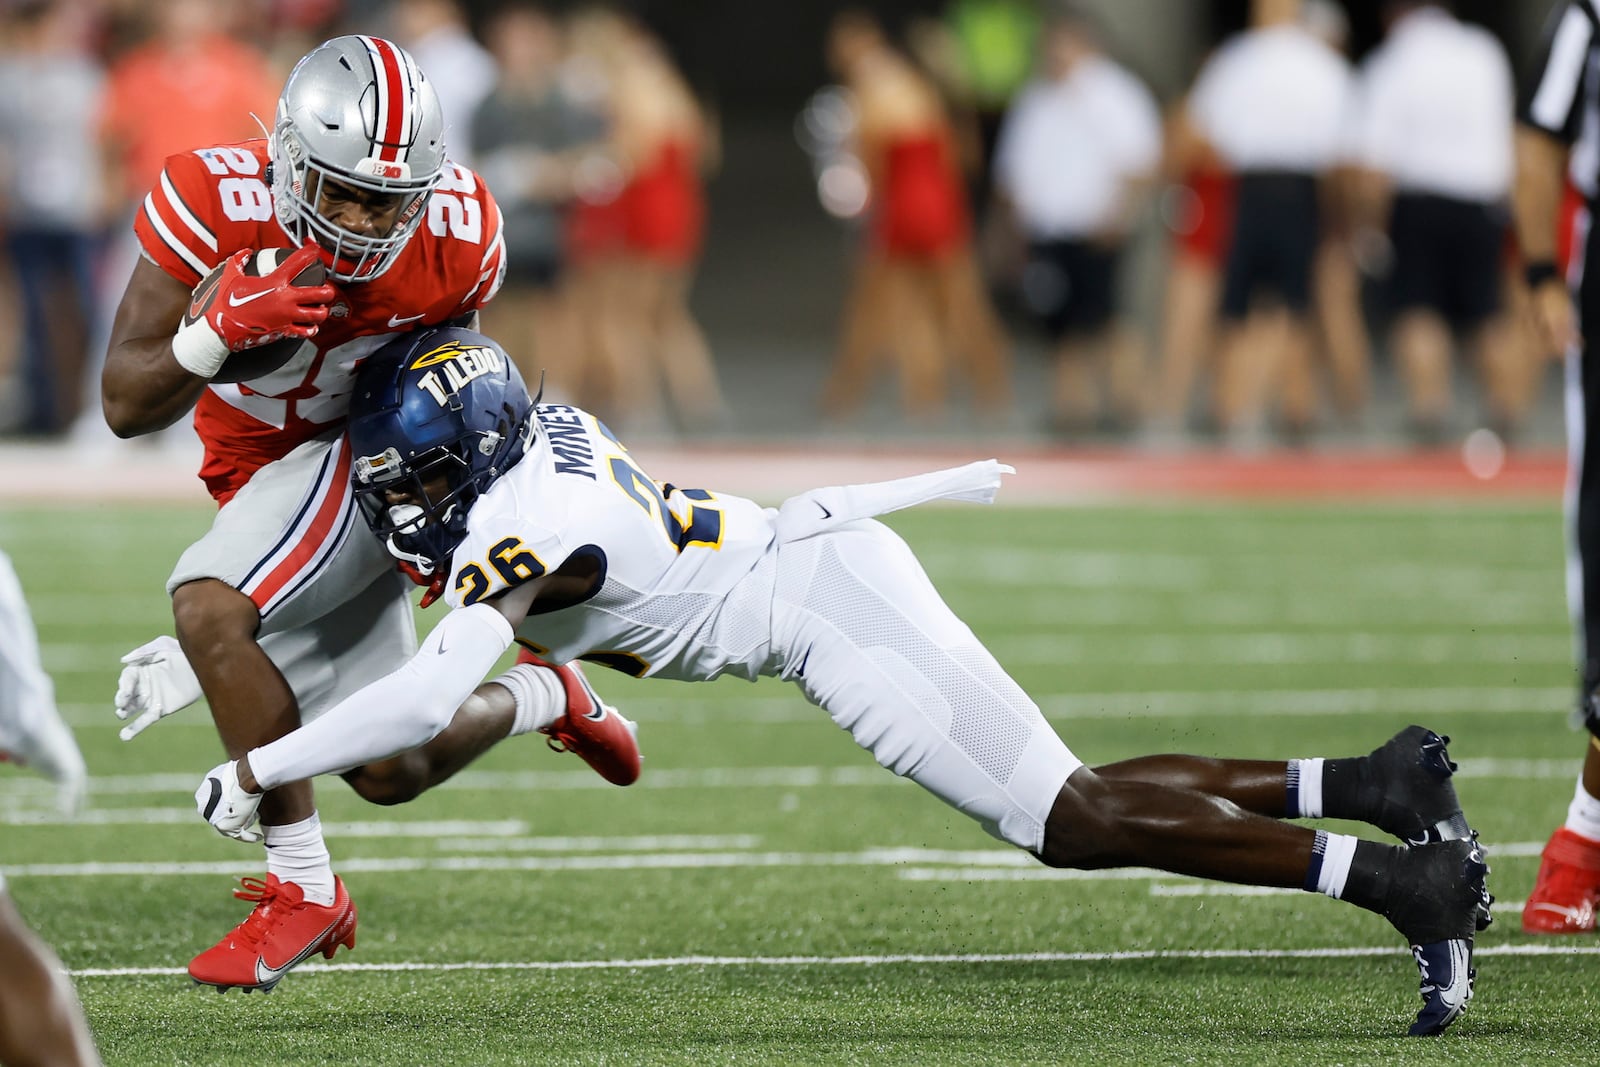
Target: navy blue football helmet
[{"x": 437, "y": 415}]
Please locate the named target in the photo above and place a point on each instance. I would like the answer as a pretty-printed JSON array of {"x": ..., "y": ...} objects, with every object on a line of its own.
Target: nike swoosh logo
[
  {"x": 824, "y": 509},
  {"x": 236, "y": 301},
  {"x": 396, "y": 320},
  {"x": 597, "y": 714},
  {"x": 214, "y": 799},
  {"x": 265, "y": 973}
]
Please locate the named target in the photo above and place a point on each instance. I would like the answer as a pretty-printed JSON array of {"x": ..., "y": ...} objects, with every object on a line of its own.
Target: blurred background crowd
[{"x": 1166, "y": 223}]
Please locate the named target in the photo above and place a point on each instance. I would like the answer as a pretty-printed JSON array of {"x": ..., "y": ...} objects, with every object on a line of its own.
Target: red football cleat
[
  {"x": 591, "y": 728},
  {"x": 281, "y": 931},
  {"x": 1567, "y": 890}
]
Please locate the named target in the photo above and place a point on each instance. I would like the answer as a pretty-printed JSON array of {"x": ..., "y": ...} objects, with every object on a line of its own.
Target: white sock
[
  {"x": 1305, "y": 789},
  {"x": 1583, "y": 814},
  {"x": 296, "y": 853},
  {"x": 539, "y": 695},
  {"x": 1331, "y": 855}
]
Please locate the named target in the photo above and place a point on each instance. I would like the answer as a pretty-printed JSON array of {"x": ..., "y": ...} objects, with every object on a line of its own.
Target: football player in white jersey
[
  {"x": 553, "y": 537},
  {"x": 280, "y": 612},
  {"x": 32, "y": 732},
  {"x": 40, "y": 1019}
]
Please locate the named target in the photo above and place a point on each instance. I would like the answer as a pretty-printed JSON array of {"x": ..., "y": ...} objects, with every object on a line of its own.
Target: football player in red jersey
[{"x": 286, "y": 604}]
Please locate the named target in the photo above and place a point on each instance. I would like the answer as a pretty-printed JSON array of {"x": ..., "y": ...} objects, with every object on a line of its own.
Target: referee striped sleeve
[{"x": 1556, "y": 102}]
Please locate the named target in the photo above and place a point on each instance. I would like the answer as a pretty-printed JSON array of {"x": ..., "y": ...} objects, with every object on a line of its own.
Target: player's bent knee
[
  {"x": 1082, "y": 829},
  {"x": 207, "y": 611},
  {"x": 387, "y": 783}
]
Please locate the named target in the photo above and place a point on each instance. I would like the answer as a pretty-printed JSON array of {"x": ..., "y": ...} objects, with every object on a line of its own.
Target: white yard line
[{"x": 668, "y": 962}]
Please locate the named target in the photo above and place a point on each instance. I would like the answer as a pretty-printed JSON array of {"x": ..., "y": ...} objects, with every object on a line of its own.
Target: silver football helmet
[{"x": 358, "y": 110}]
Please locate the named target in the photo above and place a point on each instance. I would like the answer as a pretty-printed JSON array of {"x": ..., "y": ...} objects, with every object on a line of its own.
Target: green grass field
[{"x": 767, "y": 894}]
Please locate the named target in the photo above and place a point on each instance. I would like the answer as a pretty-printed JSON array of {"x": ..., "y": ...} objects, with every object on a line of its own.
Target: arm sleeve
[
  {"x": 1553, "y": 100},
  {"x": 399, "y": 711}
]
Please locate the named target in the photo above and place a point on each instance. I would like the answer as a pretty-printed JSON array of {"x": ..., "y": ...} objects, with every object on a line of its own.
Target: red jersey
[
  {"x": 922, "y": 208},
  {"x": 212, "y": 202}
]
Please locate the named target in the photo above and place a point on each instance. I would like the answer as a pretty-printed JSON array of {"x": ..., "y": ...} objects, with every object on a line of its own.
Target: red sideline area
[{"x": 139, "y": 474}]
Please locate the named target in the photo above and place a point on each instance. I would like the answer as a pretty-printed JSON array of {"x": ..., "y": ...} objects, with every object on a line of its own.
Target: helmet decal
[
  {"x": 395, "y": 77},
  {"x": 454, "y": 365}
]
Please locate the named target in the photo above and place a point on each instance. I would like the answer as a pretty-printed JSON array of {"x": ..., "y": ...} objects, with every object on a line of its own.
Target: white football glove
[
  {"x": 156, "y": 681},
  {"x": 223, "y": 803}
]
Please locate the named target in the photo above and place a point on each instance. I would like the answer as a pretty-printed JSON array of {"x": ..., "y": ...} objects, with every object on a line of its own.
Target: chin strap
[
  {"x": 419, "y": 568},
  {"x": 431, "y": 580}
]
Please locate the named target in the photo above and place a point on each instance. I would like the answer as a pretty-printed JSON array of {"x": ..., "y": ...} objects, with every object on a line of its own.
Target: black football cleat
[
  {"x": 1438, "y": 899},
  {"x": 1447, "y": 977},
  {"x": 1411, "y": 795}
]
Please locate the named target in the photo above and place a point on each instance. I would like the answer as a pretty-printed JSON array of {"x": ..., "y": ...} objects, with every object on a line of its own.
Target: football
[{"x": 255, "y": 363}]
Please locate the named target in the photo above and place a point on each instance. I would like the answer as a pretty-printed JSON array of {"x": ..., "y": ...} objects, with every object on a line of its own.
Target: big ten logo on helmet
[{"x": 458, "y": 364}]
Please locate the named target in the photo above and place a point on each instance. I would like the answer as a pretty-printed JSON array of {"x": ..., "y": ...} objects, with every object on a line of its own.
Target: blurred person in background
[
  {"x": 189, "y": 82},
  {"x": 916, "y": 294},
  {"x": 1077, "y": 156},
  {"x": 52, "y": 206},
  {"x": 596, "y": 224},
  {"x": 1272, "y": 103},
  {"x": 288, "y": 29},
  {"x": 936, "y": 52},
  {"x": 52, "y": 202},
  {"x": 1561, "y": 101},
  {"x": 41, "y": 1021},
  {"x": 665, "y": 142},
  {"x": 1432, "y": 135},
  {"x": 532, "y": 138},
  {"x": 1196, "y": 207},
  {"x": 1341, "y": 344},
  {"x": 996, "y": 41},
  {"x": 436, "y": 33}
]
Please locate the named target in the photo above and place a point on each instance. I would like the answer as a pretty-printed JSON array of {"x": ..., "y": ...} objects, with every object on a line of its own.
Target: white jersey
[
  {"x": 698, "y": 585},
  {"x": 671, "y": 556}
]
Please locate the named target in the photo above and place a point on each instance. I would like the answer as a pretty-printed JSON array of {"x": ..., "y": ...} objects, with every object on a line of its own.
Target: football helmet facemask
[
  {"x": 357, "y": 110},
  {"x": 436, "y": 416}
]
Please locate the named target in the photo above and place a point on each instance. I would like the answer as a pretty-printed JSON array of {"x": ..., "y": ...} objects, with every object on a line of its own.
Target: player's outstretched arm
[{"x": 397, "y": 713}]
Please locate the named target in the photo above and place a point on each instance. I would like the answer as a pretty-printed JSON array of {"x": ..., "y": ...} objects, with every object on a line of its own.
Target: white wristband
[{"x": 199, "y": 349}]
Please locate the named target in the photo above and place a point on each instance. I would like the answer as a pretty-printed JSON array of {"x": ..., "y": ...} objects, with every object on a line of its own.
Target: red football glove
[{"x": 233, "y": 310}]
